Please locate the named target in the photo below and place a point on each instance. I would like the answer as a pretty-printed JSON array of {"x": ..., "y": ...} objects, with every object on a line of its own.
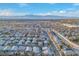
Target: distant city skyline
[{"x": 43, "y": 9}]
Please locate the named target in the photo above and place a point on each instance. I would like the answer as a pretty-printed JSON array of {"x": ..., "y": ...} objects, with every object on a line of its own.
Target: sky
[{"x": 43, "y": 9}]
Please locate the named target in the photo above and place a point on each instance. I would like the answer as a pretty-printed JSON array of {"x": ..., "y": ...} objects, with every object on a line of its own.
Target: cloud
[
  {"x": 43, "y": 14},
  {"x": 61, "y": 13},
  {"x": 66, "y": 13},
  {"x": 76, "y": 4},
  {"x": 22, "y": 4},
  {"x": 52, "y": 13},
  {"x": 51, "y": 3},
  {"x": 69, "y": 13},
  {"x": 7, "y": 12}
]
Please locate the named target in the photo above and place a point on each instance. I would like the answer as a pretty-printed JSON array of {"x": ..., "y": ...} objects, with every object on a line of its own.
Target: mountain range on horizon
[{"x": 36, "y": 17}]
